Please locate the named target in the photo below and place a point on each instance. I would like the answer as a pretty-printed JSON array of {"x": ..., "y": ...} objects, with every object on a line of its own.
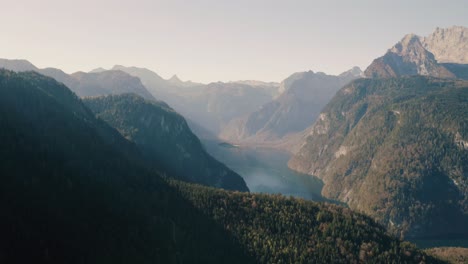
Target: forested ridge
[{"x": 278, "y": 229}]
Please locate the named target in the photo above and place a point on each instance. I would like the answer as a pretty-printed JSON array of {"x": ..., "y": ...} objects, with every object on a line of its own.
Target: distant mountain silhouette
[{"x": 86, "y": 84}]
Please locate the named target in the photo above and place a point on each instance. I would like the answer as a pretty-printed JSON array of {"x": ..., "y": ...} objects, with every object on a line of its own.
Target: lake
[{"x": 266, "y": 171}]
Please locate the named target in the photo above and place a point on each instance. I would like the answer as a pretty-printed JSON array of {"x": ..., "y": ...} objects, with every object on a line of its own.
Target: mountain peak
[
  {"x": 353, "y": 72},
  {"x": 175, "y": 79},
  {"x": 449, "y": 45},
  {"x": 97, "y": 70},
  {"x": 410, "y": 43},
  {"x": 407, "y": 57},
  {"x": 17, "y": 65},
  {"x": 118, "y": 67}
]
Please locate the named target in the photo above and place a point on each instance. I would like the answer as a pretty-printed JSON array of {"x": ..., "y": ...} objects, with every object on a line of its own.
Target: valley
[{"x": 119, "y": 164}]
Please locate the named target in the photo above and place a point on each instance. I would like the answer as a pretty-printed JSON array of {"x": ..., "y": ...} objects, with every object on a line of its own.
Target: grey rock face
[
  {"x": 407, "y": 57},
  {"x": 449, "y": 45}
]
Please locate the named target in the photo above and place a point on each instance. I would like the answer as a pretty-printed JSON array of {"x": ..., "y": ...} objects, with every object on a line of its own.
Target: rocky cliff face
[
  {"x": 449, "y": 45},
  {"x": 407, "y": 57},
  {"x": 395, "y": 149}
]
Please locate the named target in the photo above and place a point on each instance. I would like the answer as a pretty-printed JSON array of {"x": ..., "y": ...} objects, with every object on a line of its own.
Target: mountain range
[
  {"x": 281, "y": 121},
  {"x": 86, "y": 84},
  {"x": 159, "y": 132},
  {"x": 211, "y": 106},
  {"x": 74, "y": 190},
  {"x": 441, "y": 54}
]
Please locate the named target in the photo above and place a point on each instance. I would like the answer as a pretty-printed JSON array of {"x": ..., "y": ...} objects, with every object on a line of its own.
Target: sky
[{"x": 216, "y": 40}]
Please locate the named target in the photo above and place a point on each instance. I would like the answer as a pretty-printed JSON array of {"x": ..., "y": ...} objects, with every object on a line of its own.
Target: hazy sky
[{"x": 211, "y": 40}]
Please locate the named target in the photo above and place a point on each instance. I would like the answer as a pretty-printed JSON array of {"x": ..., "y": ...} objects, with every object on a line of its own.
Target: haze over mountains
[
  {"x": 302, "y": 97},
  {"x": 86, "y": 84},
  {"x": 213, "y": 105}
]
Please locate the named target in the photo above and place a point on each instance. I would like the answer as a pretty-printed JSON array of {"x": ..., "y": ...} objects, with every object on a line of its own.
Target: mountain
[
  {"x": 397, "y": 150},
  {"x": 449, "y": 45},
  {"x": 174, "y": 80},
  {"x": 353, "y": 73},
  {"x": 212, "y": 105},
  {"x": 216, "y": 104},
  {"x": 108, "y": 82},
  {"x": 165, "y": 139},
  {"x": 459, "y": 70},
  {"x": 17, "y": 65},
  {"x": 407, "y": 57},
  {"x": 272, "y": 85},
  {"x": 97, "y": 70},
  {"x": 62, "y": 77},
  {"x": 303, "y": 96},
  {"x": 73, "y": 191},
  {"x": 86, "y": 84},
  {"x": 151, "y": 80}
]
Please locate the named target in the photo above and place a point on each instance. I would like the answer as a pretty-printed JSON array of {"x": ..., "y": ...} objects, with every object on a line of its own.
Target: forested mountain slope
[
  {"x": 277, "y": 229},
  {"x": 396, "y": 149},
  {"x": 72, "y": 190},
  {"x": 165, "y": 139}
]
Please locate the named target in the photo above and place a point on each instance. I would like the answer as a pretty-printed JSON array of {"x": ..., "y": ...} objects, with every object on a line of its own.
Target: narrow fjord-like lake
[{"x": 266, "y": 171}]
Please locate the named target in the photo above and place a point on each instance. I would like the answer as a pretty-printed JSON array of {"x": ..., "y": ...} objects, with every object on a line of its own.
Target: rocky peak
[
  {"x": 449, "y": 45},
  {"x": 407, "y": 57},
  {"x": 353, "y": 72},
  {"x": 409, "y": 44},
  {"x": 174, "y": 79}
]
